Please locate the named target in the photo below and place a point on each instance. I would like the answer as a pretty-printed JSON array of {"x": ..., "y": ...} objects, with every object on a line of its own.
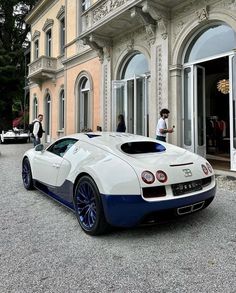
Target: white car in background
[
  {"x": 119, "y": 179},
  {"x": 14, "y": 135}
]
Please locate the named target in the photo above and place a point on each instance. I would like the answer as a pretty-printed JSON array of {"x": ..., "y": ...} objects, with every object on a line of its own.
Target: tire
[
  {"x": 27, "y": 175},
  {"x": 88, "y": 207}
]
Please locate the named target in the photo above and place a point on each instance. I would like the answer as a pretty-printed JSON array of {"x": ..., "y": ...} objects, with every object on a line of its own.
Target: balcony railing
[
  {"x": 103, "y": 12},
  {"x": 42, "y": 69},
  {"x": 107, "y": 19}
]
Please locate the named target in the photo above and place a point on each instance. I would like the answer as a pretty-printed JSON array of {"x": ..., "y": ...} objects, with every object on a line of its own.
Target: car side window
[{"x": 60, "y": 147}]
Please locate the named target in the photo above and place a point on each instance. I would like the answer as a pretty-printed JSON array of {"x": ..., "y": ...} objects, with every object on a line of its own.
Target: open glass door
[
  {"x": 232, "y": 96},
  {"x": 193, "y": 119},
  {"x": 119, "y": 104},
  {"x": 200, "y": 112},
  {"x": 136, "y": 105},
  {"x": 130, "y": 98}
]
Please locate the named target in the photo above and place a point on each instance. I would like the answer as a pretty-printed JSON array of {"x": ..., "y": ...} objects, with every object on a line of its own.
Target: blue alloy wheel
[
  {"x": 27, "y": 175},
  {"x": 88, "y": 207}
]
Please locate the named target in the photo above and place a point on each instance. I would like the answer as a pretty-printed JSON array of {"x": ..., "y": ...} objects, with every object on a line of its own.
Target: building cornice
[{"x": 37, "y": 10}]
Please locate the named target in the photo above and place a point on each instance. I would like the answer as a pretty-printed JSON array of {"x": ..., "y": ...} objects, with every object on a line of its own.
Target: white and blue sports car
[{"x": 118, "y": 179}]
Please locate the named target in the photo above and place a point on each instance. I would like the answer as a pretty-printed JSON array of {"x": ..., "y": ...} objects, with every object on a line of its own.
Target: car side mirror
[{"x": 39, "y": 148}]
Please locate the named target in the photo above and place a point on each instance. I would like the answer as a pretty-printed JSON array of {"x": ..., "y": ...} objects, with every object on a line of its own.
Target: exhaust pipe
[{"x": 190, "y": 209}]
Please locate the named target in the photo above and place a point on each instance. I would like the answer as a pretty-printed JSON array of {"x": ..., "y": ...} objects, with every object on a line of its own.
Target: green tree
[{"x": 13, "y": 43}]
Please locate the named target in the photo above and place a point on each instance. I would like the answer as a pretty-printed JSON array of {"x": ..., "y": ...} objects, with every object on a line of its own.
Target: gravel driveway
[{"x": 42, "y": 248}]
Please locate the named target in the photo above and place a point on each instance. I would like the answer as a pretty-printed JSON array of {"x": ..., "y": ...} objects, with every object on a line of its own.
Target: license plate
[{"x": 186, "y": 187}]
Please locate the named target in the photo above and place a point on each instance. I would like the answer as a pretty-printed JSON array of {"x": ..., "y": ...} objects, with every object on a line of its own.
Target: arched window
[
  {"x": 62, "y": 35},
  {"x": 62, "y": 110},
  {"x": 35, "y": 107},
  {"x": 48, "y": 117},
  {"x": 135, "y": 65},
  {"x": 84, "y": 104},
  {"x": 36, "y": 49},
  {"x": 212, "y": 41},
  {"x": 49, "y": 43}
]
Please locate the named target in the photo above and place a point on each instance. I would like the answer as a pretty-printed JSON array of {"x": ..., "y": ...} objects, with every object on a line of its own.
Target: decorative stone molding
[
  {"x": 159, "y": 16},
  {"x": 189, "y": 7},
  {"x": 159, "y": 76},
  {"x": 229, "y": 4},
  {"x": 124, "y": 44},
  {"x": 198, "y": 12},
  {"x": 105, "y": 8},
  {"x": 105, "y": 100},
  {"x": 176, "y": 70},
  {"x": 195, "y": 11},
  {"x": 130, "y": 38},
  {"x": 146, "y": 20},
  {"x": 61, "y": 12},
  {"x": 130, "y": 45},
  {"x": 202, "y": 14},
  {"x": 36, "y": 35},
  {"x": 100, "y": 44},
  {"x": 177, "y": 29},
  {"x": 48, "y": 23}
]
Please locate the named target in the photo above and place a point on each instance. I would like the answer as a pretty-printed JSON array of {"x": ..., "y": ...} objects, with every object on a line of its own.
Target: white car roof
[{"x": 109, "y": 139}]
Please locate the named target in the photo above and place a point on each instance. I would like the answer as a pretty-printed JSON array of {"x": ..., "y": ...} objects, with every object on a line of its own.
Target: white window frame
[
  {"x": 36, "y": 49},
  {"x": 62, "y": 110},
  {"x": 62, "y": 35},
  {"x": 49, "y": 42},
  {"x": 35, "y": 107}
]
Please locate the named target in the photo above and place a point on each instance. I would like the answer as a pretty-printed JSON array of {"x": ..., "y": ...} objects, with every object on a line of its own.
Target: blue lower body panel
[{"x": 130, "y": 210}]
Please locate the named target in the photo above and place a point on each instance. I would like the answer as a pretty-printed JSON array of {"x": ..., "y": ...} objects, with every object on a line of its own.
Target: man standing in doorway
[
  {"x": 161, "y": 129},
  {"x": 38, "y": 130}
]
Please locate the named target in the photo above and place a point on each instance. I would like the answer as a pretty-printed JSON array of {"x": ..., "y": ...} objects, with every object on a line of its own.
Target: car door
[{"x": 48, "y": 163}]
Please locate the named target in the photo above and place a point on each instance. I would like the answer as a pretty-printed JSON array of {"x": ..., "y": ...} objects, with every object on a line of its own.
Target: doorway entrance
[
  {"x": 209, "y": 95},
  {"x": 217, "y": 112},
  {"x": 206, "y": 113}
]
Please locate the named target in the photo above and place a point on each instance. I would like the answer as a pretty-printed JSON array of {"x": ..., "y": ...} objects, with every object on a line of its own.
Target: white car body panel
[
  {"x": 115, "y": 165},
  {"x": 45, "y": 167},
  {"x": 99, "y": 168},
  {"x": 99, "y": 159}
]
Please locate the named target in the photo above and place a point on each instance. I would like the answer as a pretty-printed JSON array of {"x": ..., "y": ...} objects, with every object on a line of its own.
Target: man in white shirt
[
  {"x": 37, "y": 130},
  {"x": 161, "y": 129}
]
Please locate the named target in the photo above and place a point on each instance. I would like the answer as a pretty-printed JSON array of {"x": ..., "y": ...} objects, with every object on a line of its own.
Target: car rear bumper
[{"x": 131, "y": 210}]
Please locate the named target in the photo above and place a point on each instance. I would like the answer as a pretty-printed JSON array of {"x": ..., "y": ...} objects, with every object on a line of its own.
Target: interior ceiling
[{"x": 216, "y": 66}]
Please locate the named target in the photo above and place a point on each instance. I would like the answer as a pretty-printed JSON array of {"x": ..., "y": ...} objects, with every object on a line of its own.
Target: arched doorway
[
  {"x": 130, "y": 94},
  {"x": 208, "y": 107}
]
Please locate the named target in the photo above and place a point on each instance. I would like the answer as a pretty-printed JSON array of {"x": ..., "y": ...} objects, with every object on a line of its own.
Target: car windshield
[{"x": 142, "y": 147}]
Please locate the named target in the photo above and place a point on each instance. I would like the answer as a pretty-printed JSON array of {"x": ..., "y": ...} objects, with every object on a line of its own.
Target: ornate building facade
[{"x": 92, "y": 60}]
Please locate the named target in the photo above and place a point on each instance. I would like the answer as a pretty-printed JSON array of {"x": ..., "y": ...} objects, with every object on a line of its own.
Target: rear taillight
[
  {"x": 204, "y": 169},
  {"x": 148, "y": 177},
  {"x": 209, "y": 167},
  {"x": 161, "y": 176}
]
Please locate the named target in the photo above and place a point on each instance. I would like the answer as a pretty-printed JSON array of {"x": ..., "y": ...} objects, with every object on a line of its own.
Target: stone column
[
  {"x": 106, "y": 95},
  {"x": 175, "y": 93}
]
